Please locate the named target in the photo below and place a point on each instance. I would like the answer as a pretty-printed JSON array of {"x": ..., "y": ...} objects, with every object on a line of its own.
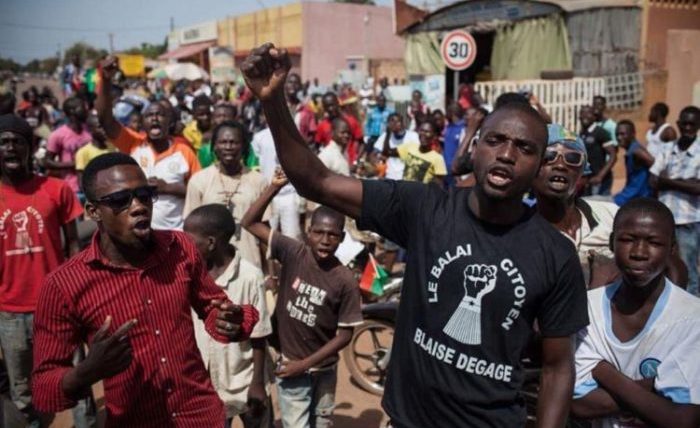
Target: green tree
[
  {"x": 48, "y": 65},
  {"x": 7, "y": 64},
  {"x": 85, "y": 51},
  {"x": 33, "y": 66},
  {"x": 148, "y": 50}
]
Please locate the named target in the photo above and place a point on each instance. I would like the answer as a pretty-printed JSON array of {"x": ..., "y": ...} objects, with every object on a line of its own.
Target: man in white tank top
[{"x": 661, "y": 132}]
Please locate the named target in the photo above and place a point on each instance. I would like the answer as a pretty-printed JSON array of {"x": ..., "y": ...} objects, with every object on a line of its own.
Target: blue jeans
[
  {"x": 266, "y": 419},
  {"x": 16, "y": 341},
  {"x": 307, "y": 401},
  {"x": 688, "y": 239}
]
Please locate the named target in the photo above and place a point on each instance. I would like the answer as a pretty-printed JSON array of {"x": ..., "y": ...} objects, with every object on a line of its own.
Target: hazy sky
[{"x": 39, "y": 28}]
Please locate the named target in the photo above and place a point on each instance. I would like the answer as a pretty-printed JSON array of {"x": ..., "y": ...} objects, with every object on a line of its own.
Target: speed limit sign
[{"x": 458, "y": 50}]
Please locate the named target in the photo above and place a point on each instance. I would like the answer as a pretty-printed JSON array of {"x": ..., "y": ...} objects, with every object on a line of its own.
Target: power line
[{"x": 75, "y": 29}]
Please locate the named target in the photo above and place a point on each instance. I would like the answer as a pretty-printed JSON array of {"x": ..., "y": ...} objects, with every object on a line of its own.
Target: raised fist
[
  {"x": 108, "y": 68},
  {"x": 479, "y": 280},
  {"x": 265, "y": 71},
  {"x": 465, "y": 323}
]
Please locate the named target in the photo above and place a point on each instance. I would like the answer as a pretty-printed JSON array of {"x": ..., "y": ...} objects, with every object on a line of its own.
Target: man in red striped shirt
[{"x": 145, "y": 282}]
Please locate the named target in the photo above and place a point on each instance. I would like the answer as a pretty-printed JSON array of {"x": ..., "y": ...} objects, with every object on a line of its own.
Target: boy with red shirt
[
  {"x": 33, "y": 210},
  {"x": 324, "y": 131}
]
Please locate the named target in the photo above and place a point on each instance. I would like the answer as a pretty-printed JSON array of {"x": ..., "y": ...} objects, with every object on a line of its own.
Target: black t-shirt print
[
  {"x": 470, "y": 296},
  {"x": 594, "y": 141},
  {"x": 312, "y": 302}
]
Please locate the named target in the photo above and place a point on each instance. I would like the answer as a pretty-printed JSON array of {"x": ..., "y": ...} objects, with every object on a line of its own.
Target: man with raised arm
[{"x": 456, "y": 364}]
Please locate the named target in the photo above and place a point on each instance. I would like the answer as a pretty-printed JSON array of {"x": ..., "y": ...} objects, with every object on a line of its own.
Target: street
[{"x": 355, "y": 408}]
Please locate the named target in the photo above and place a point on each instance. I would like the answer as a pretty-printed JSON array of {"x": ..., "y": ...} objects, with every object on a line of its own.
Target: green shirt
[{"x": 206, "y": 157}]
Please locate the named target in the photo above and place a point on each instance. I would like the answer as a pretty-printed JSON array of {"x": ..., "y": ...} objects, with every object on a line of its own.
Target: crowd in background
[{"x": 201, "y": 145}]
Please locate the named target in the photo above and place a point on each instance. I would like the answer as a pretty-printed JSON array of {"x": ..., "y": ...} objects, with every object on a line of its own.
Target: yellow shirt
[
  {"x": 421, "y": 166},
  {"x": 193, "y": 135},
  {"x": 89, "y": 152}
]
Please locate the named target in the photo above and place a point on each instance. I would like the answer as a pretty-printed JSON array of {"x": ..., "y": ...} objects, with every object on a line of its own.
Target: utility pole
[
  {"x": 172, "y": 24},
  {"x": 111, "y": 43}
]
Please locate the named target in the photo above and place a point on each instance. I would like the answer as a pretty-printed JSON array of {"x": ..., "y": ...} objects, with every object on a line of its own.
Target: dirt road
[{"x": 355, "y": 407}]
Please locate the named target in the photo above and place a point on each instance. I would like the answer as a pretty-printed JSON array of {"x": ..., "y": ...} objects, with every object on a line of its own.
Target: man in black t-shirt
[
  {"x": 601, "y": 150},
  {"x": 481, "y": 269}
]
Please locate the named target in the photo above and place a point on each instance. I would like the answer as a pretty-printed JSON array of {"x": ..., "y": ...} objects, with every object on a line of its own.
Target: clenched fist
[
  {"x": 479, "y": 280},
  {"x": 265, "y": 71}
]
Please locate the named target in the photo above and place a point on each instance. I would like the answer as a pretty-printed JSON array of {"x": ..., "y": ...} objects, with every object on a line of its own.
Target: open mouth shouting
[
  {"x": 11, "y": 161},
  {"x": 499, "y": 176},
  {"x": 142, "y": 227},
  {"x": 558, "y": 182},
  {"x": 155, "y": 131}
]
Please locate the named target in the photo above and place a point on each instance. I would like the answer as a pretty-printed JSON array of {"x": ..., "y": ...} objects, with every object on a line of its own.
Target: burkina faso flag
[{"x": 373, "y": 278}]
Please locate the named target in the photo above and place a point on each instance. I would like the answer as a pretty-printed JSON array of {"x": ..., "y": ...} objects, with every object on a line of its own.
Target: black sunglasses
[
  {"x": 570, "y": 158},
  {"x": 121, "y": 200}
]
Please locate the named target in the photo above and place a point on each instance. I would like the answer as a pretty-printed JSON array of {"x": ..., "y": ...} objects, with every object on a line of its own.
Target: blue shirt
[
  {"x": 637, "y": 184},
  {"x": 451, "y": 135},
  {"x": 376, "y": 121}
]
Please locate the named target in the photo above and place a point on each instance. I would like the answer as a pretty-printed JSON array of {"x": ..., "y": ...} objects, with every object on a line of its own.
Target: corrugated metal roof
[
  {"x": 578, "y": 5},
  {"x": 462, "y": 13}
]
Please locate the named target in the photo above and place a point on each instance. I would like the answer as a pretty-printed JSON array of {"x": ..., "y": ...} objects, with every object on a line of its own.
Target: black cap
[{"x": 12, "y": 123}]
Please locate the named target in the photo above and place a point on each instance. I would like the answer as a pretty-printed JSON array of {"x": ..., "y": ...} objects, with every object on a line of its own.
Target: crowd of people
[{"x": 188, "y": 243}]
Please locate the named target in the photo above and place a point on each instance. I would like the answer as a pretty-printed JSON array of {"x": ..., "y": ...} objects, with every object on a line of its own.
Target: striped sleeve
[
  {"x": 204, "y": 290},
  {"x": 56, "y": 337}
]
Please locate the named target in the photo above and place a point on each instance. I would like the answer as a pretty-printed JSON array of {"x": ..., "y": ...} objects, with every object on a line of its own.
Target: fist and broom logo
[{"x": 465, "y": 324}]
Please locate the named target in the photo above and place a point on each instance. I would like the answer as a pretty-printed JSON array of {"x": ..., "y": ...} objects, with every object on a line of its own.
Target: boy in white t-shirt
[
  {"x": 637, "y": 362},
  {"x": 237, "y": 370}
]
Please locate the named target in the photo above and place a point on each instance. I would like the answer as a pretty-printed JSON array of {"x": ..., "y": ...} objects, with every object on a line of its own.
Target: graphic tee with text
[
  {"x": 312, "y": 302},
  {"x": 471, "y": 294}
]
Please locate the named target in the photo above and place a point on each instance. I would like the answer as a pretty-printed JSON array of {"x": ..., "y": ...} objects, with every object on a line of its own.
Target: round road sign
[{"x": 458, "y": 50}]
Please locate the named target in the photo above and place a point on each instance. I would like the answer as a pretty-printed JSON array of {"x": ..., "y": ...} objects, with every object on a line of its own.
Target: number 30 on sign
[{"x": 458, "y": 50}]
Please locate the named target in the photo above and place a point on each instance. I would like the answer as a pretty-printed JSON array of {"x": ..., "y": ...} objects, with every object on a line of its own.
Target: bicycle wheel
[{"x": 367, "y": 355}]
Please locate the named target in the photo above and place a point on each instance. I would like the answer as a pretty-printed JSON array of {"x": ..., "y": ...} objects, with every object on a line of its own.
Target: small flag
[{"x": 373, "y": 278}]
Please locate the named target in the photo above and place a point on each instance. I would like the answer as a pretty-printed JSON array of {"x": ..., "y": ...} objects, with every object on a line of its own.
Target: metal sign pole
[{"x": 455, "y": 88}]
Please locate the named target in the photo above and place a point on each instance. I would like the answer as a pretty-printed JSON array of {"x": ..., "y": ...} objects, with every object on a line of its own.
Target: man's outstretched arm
[
  {"x": 103, "y": 103},
  {"x": 265, "y": 71}
]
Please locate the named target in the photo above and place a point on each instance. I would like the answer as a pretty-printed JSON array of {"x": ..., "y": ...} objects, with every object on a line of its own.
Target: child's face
[
  {"x": 643, "y": 244},
  {"x": 203, "y": 243},
  {"x": 324, "y": 237}
]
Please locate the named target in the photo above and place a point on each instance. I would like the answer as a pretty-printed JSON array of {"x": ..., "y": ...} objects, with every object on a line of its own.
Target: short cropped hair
[
  {"x": 214, "y": 220},
  {"x": 510, "y": 98},
  {"x": 629, "y": 123},
  {"x": 639, "y": 206},
  {"x": 661, "y": 108},
  {"x": 327, "y": 212},
  {"x": 201, "y": 101},
  {"x": 690, "y": 110},
  {"x": 71, "y": 104},
  {"x": 227, "y": 106},
  {"x": 100, "y": 163}
]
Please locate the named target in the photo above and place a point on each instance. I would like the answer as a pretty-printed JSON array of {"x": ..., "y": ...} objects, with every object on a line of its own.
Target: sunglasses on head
[
  {"x": 121, "y": 200},
  {"x": 570, "y": 158}
]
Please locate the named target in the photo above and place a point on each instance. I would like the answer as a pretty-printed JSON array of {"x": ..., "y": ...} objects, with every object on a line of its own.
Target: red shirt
[
  {"x": 305, "y": 120},
  {"x": 167, "y": 384},
  {"x": 31, "y": 216},
  {"x": 324, "y": 135}
]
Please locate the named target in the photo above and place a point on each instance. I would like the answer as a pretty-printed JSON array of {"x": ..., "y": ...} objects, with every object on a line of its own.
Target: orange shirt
[{"x": 176, "y": 164}]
